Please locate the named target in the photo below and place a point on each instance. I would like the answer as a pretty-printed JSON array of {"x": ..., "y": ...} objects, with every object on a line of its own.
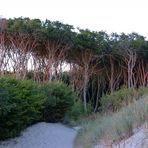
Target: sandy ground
[
  {"x": 138, "y": 140},
  {"x": 43, "y": 135},
  {"x": 48, "y": 135}
]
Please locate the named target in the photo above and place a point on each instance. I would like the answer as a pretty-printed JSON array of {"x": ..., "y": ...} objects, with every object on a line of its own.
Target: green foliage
[
  {"x": 23, "y": 25},
  {"x": 114, "y": 101},
  {"x": 59, "y": 98},
  {"x": 23, "y": 102},
  {"x": 59, "y": 31},
  {"x": 5, "y": 106},
  {"x": 77, "y": 111},
  {"x": 20, "y": 103},
  {"x": 29, "y": 75},
  {"x": 88, "y": 40},
  {"x": 65, "y": 77}
]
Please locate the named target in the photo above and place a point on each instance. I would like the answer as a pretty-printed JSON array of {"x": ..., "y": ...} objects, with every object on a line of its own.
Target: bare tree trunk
[
  {"x": 85, "y": 87},
  {"x": 131, "y": 60},
  {"x": 97, "y": 97}
]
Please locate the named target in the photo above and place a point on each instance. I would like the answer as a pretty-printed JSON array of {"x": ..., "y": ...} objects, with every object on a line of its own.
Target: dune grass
[{"x": 113, "y": 127}]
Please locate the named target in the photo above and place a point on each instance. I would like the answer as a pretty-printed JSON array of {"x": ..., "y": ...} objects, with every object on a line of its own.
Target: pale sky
[{"x": 107, "y": 15}]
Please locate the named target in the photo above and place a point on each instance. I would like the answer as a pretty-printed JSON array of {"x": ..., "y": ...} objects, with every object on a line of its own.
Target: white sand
[
  {"x": 43, "y": 135},
  {"x": 138, "y": 140}
]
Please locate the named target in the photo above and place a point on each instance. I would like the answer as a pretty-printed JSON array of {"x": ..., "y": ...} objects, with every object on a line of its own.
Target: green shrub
[
  {"x": 59, "y": 99},
  {"x": 114, "y": 101},
  {"x": 20, "y": 103},
  {"x": 29, "y": 75},
  {"x": 76, "y": 111},
  {"x": 64, "y": 77}
]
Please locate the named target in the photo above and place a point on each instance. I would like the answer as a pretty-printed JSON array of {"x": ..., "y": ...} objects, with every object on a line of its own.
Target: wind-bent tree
[
  {"x": 3, "y": 49},
  {"x": 86, "y": 56},
  {"x": 127, "y": 47},
  {"x": 58, "y": 42},
  {"x": 98, "y": 63}
]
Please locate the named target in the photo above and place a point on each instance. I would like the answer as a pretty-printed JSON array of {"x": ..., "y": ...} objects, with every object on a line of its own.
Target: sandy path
[{"x": 43, "y": 135}]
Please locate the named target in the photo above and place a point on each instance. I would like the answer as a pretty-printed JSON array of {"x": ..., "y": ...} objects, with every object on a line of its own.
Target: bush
[
  {"x": 76, "y": 111},
  {"x": 65, "y": 78},
  {"x": 20, "y": 103},
  {"x": 59, "y": 99},
  {"x": 114, "y": 101}
]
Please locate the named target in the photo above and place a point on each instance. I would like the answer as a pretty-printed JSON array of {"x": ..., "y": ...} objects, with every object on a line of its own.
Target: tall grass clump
[{"x": 113, "y": 127}]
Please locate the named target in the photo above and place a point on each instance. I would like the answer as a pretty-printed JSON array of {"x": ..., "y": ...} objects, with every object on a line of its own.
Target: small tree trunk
[{"x": 85, "y": 89}]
